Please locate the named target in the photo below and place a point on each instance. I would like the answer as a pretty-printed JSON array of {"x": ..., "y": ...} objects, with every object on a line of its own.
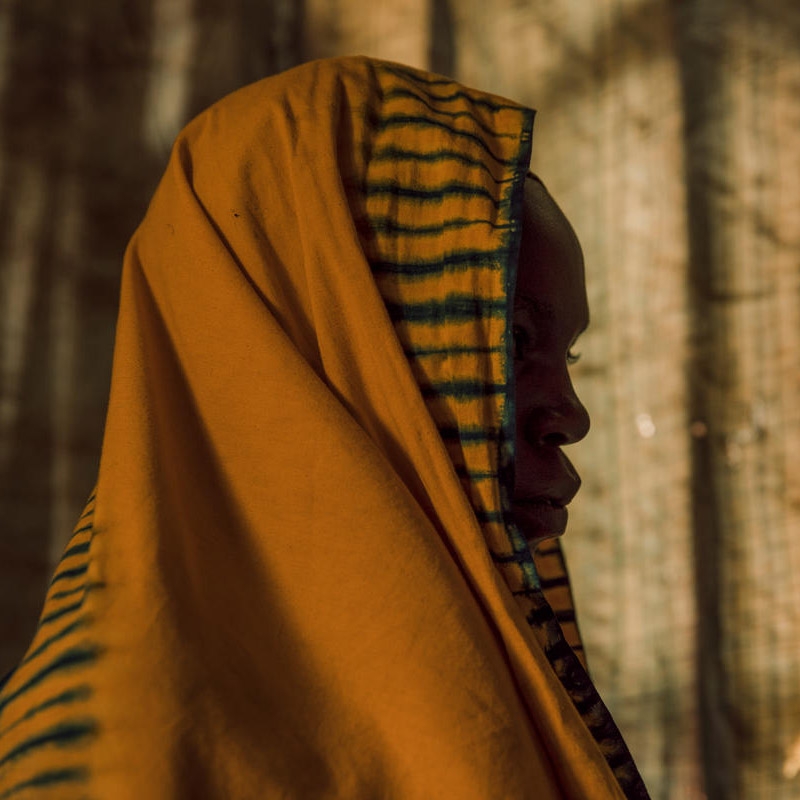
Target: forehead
[{"x": 550, "y": 274}]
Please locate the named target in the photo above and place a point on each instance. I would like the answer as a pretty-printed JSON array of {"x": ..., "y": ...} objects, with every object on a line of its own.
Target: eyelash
[{"x": 520, "y": 334}]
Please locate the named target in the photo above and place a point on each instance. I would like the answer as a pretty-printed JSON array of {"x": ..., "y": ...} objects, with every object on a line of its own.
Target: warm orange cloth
[{"x": 297, "y": 577}]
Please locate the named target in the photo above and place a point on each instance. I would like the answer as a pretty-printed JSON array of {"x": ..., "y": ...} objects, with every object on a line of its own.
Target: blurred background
[{"x": 668, "y": 132}]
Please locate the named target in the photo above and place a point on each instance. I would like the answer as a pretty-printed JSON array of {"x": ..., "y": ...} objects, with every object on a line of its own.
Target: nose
[{"x": 558, "y": 420}]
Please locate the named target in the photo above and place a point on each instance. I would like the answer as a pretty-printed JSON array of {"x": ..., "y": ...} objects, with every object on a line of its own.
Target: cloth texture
[{"x": 297, "y": 576}]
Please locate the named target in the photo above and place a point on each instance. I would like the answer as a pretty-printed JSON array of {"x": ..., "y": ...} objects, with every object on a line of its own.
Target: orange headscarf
[{"x": 297, "y": 577}]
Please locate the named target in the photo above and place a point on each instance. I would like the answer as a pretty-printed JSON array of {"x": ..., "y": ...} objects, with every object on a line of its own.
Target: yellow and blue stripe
[{"x": 46, "y": 719}]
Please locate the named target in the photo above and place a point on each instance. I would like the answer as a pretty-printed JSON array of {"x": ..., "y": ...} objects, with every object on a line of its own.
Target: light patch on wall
[
  {"x": 791, "y": 765},
  {"x": 645, "y": 426},
  {"x": 394, "y": 31},
  {"x": 171, "y": 57},
  {"x": 16, "y": 293}
]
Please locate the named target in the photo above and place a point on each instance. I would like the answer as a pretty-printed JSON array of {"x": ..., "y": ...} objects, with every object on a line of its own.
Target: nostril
[
  {"x": 557, "y": 429},
  {"x": 554, "y": 425},
  {"x": 555, "y": 439}
]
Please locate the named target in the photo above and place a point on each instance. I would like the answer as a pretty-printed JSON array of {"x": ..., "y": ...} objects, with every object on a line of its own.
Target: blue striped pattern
[{"x": 46, "y": 721}]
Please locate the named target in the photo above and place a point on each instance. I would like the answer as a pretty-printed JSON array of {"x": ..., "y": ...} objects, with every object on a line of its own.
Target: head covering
[{"x": 297, "y": 576}]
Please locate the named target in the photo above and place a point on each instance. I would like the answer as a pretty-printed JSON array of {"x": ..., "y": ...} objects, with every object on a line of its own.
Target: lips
[
  {"x": 548, "y": 501},
  {"x": 556, "y": 493},
  {"x": 543, "y": 489},
  {"x": 540, "y": 517}
]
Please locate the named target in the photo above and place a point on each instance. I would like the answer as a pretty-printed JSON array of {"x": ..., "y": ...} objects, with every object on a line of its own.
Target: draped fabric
[{"x": 297, "y": 576}]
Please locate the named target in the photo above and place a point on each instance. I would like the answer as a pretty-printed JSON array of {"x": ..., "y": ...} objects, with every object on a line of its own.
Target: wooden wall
[{"x": 668, "y": 131}]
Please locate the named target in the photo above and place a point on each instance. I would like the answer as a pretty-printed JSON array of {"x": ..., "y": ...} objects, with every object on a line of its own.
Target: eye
[{"x": 572, "y": 358}]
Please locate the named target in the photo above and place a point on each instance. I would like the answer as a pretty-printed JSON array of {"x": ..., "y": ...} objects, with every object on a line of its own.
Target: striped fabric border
[{"x": 45, "y": 720}]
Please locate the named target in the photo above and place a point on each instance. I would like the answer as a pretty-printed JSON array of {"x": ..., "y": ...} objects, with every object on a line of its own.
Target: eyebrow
[{"x": 541, "y": 308}]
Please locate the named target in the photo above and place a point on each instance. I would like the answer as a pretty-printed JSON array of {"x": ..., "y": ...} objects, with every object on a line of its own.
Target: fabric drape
[{"x": 297, "y": 576}]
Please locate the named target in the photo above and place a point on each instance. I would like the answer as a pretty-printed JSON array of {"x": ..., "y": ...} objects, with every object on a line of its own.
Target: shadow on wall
[{"x": 91, "y": 98}]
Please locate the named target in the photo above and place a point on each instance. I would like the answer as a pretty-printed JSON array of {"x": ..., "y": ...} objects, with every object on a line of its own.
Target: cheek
[{"x": 539, "y": 382}]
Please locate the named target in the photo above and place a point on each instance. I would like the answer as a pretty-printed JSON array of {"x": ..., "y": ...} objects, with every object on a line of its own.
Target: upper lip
[{"x": 558, "y": 499}]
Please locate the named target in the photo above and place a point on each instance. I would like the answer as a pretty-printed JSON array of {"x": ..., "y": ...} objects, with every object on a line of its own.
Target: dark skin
[{"x": 550, "y": 312}]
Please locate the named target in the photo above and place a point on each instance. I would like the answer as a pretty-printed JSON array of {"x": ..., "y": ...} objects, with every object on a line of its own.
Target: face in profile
[{"x": 550, "y": 313}]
